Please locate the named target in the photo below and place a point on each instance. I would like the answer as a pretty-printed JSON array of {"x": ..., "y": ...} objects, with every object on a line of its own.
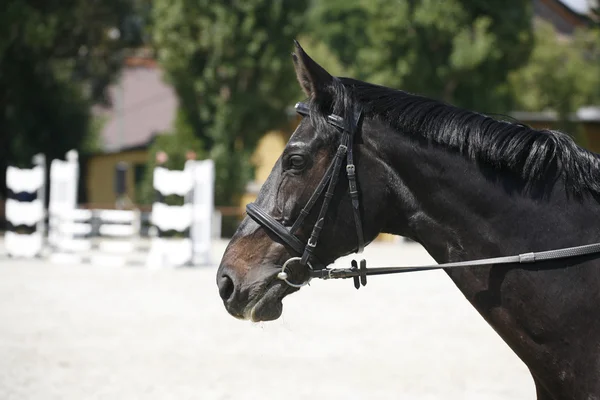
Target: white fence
[
  {"x": 62, "y": 204},
  {"x": 29, "y": 182},
  {"x": 103, "y": 237},
  {"x": 193, "y": 220},
  {"x": 112, "y": 237}
]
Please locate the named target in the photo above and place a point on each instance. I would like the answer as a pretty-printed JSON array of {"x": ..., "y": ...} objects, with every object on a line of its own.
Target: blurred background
[
  {"x": 130, "y": 121},
  {"x": 120, "y": 80}
]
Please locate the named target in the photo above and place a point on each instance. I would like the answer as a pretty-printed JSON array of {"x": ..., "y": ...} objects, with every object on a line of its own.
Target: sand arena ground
[{"x": 91, "y": 332}]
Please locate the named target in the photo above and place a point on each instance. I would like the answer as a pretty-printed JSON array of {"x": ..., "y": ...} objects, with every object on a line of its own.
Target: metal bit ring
[{"x": 284, "y": 276}]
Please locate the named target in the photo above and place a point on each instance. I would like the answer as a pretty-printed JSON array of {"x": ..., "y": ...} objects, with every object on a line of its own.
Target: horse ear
[{"x": 313, "y": 78}]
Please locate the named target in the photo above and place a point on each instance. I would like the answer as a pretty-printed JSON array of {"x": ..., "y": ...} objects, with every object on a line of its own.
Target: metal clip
[
  {"x": 355, "y": 277},
  {"x": 363, "y": 272},
  {"x": 361, "y": 277},
  {"x": 527, "y": 258}
]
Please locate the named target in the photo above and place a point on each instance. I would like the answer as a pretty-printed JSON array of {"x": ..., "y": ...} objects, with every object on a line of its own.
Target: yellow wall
[
  {"x": 267, "y": 153},
  {"x": 101, "y": 174},
  {"x": 265, "y": 156},
  {"x": 592, "y": 136}
]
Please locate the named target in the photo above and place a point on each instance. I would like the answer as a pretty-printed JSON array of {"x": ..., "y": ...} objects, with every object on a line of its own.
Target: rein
[
  {"x": 360, "y": 274},
  {"x": 317, "y": 270}
]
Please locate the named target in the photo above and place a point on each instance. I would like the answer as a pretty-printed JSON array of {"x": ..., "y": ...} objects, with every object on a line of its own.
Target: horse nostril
[{"x": 226, "y": 287}]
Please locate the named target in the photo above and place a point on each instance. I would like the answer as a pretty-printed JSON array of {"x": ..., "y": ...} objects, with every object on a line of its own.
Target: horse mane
[{"x": 534, "y": 156}]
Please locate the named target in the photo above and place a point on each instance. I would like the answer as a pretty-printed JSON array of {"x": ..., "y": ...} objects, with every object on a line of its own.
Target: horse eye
[{"x": 297, "y": 161}]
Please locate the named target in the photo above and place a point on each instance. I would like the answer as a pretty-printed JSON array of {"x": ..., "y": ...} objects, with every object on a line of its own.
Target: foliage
[
  {"x": 562, "y": 75},
  {"x": 456, "y": 50},
  {"x": 230, "y": 65},
  {"x": 56, "y": 59},
  {"x": 176, "y": 145},
  {"x": 319, "y": 52}
]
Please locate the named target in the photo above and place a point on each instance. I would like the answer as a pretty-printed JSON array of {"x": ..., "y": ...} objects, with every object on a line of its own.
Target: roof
[
  {"x": 582, "y": 7},
  {"x": 145, "y": 102},
  {"x": 564, "y": 15}
]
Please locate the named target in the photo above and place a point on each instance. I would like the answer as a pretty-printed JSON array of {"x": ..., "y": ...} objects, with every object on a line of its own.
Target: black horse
[{"x": 463, "y": 185}]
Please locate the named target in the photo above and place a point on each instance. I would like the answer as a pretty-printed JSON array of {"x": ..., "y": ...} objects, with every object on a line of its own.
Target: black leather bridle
[
  {"x": 348, "y": 128},
  {"x": 306, "y": 252}
]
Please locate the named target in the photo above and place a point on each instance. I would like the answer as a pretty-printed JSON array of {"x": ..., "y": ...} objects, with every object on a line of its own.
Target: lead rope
[{"x": 525, "y": 258}]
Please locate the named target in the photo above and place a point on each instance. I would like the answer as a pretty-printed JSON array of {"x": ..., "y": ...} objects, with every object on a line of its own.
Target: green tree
[
  {"x": 460, "y": 51},
  {"x": 562, "y": 75},
  {"x": 230, "y": 65},
  {"x": 56, "y": 60}
]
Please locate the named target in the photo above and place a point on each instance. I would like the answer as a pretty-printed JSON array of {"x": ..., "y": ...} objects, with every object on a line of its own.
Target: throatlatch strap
[{"x": 352, "y": 186}]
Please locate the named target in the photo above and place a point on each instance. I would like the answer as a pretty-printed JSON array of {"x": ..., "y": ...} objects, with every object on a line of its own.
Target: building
[
  {"x": 146, "y": 106},
  {"x": 143, "y": 107},
  {"x": 566, "y": 16},
  {"x": 587, "y": 118}
]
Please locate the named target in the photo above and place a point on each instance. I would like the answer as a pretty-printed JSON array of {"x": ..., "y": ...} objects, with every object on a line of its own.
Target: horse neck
[{"x": 459, "y": 210}]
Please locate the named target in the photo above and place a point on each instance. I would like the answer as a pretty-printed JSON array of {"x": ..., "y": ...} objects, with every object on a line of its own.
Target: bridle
[{"x": 306, "y": 252}]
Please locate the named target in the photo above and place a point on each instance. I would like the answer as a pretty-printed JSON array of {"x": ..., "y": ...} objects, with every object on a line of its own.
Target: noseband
[{"x": 306, "y": 252}]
